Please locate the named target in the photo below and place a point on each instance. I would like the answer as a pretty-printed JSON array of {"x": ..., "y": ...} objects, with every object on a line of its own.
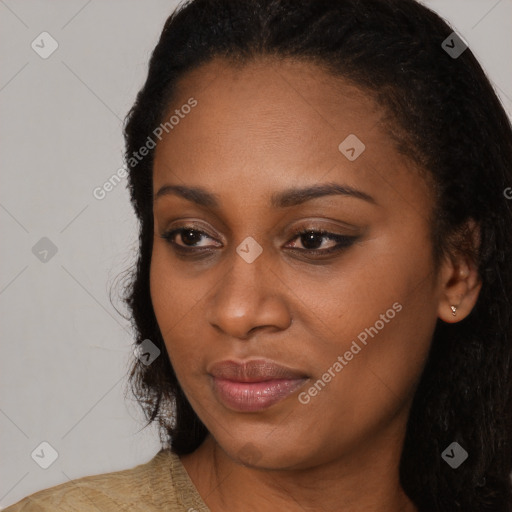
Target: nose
[{"x": 248, "y": 297}]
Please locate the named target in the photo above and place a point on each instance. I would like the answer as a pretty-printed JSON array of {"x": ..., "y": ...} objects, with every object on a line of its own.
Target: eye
[
  {"x": 313, "y": 241},
  {"x": 188, "y": 239},
  {"x": 189, "y": 236}
]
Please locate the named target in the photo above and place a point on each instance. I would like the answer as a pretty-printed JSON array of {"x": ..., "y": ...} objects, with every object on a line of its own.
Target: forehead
[
  {"x": 283, "y": 101},
  {"x": 268, "y": 123}
]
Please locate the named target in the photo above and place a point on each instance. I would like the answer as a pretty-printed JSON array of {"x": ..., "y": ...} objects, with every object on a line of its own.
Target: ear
[{"x": 459, "y": 280}]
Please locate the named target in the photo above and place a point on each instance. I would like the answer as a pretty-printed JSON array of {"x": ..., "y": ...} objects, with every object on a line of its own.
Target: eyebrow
[{"x": 283, "y": 199}]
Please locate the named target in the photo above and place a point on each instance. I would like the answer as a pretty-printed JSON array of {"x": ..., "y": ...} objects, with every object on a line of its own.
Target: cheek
[
  {"x": 378, "y": 315},
  {"x": 178, "y": 300},
  {"x": 173, "y": 297},
  {"x": 369, "y": 377}
]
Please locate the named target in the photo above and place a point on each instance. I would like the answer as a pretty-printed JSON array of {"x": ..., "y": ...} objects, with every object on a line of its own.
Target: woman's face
[{"x": 351, "y": 324}]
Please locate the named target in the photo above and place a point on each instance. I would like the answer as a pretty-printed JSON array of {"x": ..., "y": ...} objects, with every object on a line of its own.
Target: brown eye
[
  {"x": 190, "y": 238},
  {"x": 312, "y": 241}
]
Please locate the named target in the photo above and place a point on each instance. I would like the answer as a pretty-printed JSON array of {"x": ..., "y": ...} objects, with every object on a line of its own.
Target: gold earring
[{"x": 454, "y": 310}]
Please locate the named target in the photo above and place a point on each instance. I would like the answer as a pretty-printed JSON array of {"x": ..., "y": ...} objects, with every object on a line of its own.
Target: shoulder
[{"x": 158, "y": 485}]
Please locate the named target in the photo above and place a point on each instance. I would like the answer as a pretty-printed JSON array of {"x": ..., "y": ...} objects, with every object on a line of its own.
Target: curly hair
[{"x": 443, "y": 113}]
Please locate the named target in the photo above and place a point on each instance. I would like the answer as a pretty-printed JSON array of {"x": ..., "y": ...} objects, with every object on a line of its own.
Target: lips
[
  {"x": 256, "y": 370},
  {"x": 254, "y": 385}
]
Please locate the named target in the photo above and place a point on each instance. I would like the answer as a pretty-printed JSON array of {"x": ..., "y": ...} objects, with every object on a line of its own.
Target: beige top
[{"x": 160, "y": 485}]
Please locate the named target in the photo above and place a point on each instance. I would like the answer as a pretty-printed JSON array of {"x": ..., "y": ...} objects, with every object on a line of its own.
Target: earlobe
[
  {"x": 460, "y": 283},
  {"x": 460, "y": 292}
]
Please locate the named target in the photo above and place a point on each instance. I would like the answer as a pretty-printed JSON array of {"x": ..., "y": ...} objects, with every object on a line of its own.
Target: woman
[{"x": 322, "y": 296}]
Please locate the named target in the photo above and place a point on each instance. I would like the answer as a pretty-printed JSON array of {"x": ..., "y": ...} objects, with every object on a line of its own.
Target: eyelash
[{"x": 343, "y": 241}]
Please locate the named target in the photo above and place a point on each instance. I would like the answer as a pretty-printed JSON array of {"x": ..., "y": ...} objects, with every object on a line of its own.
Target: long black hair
[{"x": 443, "y": 113}]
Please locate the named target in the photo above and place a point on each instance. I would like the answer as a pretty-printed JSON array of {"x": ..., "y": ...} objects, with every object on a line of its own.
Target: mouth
[{"x": 254, "y": 385}]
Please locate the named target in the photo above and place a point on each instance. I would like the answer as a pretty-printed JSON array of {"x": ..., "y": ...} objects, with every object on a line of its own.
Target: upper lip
[{"x": 255, "y": 370}]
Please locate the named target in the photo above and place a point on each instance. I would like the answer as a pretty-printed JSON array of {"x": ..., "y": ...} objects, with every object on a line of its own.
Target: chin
[{"x": 266, "y": 455}]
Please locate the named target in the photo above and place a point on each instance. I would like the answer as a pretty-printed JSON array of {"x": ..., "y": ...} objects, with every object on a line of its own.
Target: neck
[{"x": 367, "y": 481}]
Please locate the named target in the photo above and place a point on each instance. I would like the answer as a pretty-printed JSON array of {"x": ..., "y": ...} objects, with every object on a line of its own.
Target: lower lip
[{"x": 254, "y": 396}]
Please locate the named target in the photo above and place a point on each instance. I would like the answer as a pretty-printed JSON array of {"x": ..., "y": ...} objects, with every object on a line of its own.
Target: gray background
[{"x": 65, "y": 349}]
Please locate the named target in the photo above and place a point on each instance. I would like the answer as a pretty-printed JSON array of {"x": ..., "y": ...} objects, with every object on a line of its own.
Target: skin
[{"x": 257, "y": 130}]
